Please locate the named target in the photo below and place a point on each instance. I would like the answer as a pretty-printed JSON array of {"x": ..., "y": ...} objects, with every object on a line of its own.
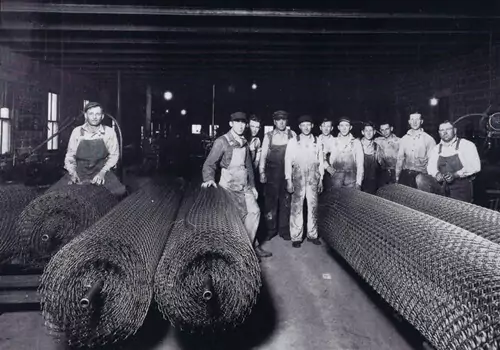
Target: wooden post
[{"x": 147, "y": 126}]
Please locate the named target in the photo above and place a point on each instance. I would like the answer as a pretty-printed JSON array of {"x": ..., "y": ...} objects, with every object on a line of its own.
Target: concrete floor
[{"x": 310, "y": 301}]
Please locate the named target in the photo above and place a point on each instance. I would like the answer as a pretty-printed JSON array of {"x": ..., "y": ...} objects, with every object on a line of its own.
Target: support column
[{"x": 147, "y": 126}]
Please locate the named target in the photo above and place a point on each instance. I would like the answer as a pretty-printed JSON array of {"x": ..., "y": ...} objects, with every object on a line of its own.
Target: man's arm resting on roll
[{"x": 111, "y": 142}]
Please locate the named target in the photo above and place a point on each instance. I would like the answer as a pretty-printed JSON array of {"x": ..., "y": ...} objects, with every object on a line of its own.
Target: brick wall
[
  {"x": 464, "y": 84},
  {"x": 24, "y": 88}
]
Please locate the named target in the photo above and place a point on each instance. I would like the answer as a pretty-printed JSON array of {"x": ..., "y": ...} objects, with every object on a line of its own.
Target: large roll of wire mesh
[
  {"x": 481, "y": 221},
  {"x": 443, "y": 280},
  {"x": 13, "y": 199},
  {"x": 98, "y": 288},
  {"x": 209, "y": 277},
  {"x": 56, "y": 217}
]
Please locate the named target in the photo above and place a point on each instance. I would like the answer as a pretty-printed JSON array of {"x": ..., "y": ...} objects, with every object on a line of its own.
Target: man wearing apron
[
  {"x": 453, "y": 164},
  {"x": 231, "y": 152},
  {"x": 346, "y": 163},
  {"x": 272, "y": 175},
  {"x": 371, "y": 159},
  {"x": 304, "y": 175},
  {"x": 325, "y": 140},
  {"x": 92, "y": 152},
  {"x": 389, "y": 147},
  {"x": 413, "y": 154}
]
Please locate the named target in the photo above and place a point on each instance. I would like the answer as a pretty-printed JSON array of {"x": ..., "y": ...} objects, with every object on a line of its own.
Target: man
[
  {"x": 272, "y": 175},
  {"x": 326, "y": 128},
  {"x": 304, "y": 169},
  {"x": 371, "y": 159},
  {"x": 255, "y": 144},
  {"x": 231, "y": 152},
  {"x": 453, "y": 163},
  {"x": 92, "y": 152},
  {"x": 346, "y": 163},
  {"x": 389, "y": 146},
  {"x": 413, "y": 153}
]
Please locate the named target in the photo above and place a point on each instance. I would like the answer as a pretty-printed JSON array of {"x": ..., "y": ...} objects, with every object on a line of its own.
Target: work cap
[
  {"x": 91, "y": 105},
  {"x": 305, "y": 118},
  {"x": 280, "y": 115},
  {"x": 239, "y": 116}
]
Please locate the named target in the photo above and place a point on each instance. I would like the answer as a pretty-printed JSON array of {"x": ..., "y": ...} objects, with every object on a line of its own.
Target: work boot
[
  {"x": 314, "y": 241},
  {"x": 261, "y": 253},
  {"x": 296, "y": 244}
]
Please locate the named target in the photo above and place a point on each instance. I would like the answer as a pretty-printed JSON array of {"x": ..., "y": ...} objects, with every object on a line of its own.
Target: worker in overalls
[
  {"x": 272, "y": 175},
  {"x": 372, "y": 159},
  {"x": 92, "y": 152},
  {"x": 304, "y": 169},
  {"x": 389, "y": 148},
  {"x": 325, "y": 140},
  {"x": 346, "y": 163},
  {"x": 231, "y": 153},
  {"x": 453, "y": 164}
]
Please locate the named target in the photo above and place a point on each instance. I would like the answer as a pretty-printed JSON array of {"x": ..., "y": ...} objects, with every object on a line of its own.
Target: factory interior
[{"x": 166, "y": 264}]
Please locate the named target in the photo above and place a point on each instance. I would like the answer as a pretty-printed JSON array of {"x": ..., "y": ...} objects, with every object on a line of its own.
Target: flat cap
[
  {"x": 239, "y": 116},
  {"x": 91, "y": 105},
  {"x": 280, "y": 115},
  {"x": 305, "y": 118},
  {"x": 344, "y": 119}
]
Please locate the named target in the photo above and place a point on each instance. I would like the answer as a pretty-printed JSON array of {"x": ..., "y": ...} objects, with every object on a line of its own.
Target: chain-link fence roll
[
  {"x": 98, "y": 288},
  {"x": 13, "y": 199},
  {"x": 481, "y": 221},
  {"x": 442, "y": 279},
  {"x": 56, "y": 217},
  {"x": 209, "y": 277}
]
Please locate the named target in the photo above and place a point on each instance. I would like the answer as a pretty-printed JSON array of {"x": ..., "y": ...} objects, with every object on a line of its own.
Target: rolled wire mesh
[
  {"x": 13, "y": 199},
  {"x": 56, "y": 217},
  {"x": 443, "y": 280},
  {"x": 208, "y": 279},
  {"x": 98, "y": 288},
  {"x": 481, "y": 221}
]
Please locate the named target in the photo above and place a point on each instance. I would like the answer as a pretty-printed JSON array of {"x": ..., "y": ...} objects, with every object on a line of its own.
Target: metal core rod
[
  {"x": 93, "y": 291},
  {"x": 207, "y": 288}
]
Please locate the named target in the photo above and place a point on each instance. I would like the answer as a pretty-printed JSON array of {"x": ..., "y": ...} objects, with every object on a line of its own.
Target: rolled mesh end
[{"x": 97, "y": 296}]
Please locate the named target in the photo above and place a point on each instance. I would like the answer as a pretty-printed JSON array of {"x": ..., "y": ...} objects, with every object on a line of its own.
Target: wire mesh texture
[
  {"x": 444, "y": 280},
  {"x": 13, "y": 199},
  {"x": 209, "y": 277},
  {"x": 98, "y": 288},
  {"x": 481, "y": 221},
  {"x": 54, "y": 218}
]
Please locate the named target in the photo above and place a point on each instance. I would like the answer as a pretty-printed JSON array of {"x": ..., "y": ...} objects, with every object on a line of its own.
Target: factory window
[
  {"x": 52, "y": 121},
  {"x": 195, "y": 129},
  {"x": 212, "y": 133},
  {"x": 268, "y": 128},
  {"x": 5, "y": 130}
]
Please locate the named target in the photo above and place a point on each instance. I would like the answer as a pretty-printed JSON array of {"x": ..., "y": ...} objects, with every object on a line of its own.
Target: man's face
[
  {"x": 306, "y": 127},
  {"x": 94, "y": 116},
  {"x": 254, "y": 127},
  {"x": 326, "y": 128},
  {"x": 368, "y": 132},
  {"x": 415, "y": 122},
  {"x": 447, "y": 132},
  {"x": 280, "y": 124},
  {"x": 238, "y": 126},
  {"x": 386, "y": 130},
  {"x": 344, "y": 128}
]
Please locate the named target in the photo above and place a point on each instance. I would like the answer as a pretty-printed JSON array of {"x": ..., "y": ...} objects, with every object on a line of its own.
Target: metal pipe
[
  {"x": 208, "y": 288},
  {"x": 45, "y": 237},
  {"x": 93, "y": 291},
  {"x": 20, "y": 6},
  {"x": 213, "y": 112}
]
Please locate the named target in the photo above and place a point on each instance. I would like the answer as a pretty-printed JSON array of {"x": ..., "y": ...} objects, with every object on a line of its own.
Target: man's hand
[
  {"x": 330, "y": 170},
  {"x": 263, "y": 178},
  {"x": 439, "y": 177},
  {"x": 449, "y": 177},
  {"x": 289, "y": 186},
  {"x": 99, "y": 178},
  {"x": 209, "y": 183},
  {"x": 320, "y": 187},
  {"x": 255, "y": 193},
  {"x": 74, "y": 179}
]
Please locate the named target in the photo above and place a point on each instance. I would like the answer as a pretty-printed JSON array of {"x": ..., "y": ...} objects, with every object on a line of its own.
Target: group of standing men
[{"x": 287, "y": 169}]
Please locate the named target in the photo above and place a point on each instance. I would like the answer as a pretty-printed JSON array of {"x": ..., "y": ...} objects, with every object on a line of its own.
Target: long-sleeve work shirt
[
  {"x": 389, "y": 148},
  {"x": 255, "y": 150},
  {"x": 302, "y": 154},
  {"x": 83, "y": 132},
  {"x": 337, "y": 148},
  {"x": 467, "y": 153},
  {"x": 414, "y": 150}
]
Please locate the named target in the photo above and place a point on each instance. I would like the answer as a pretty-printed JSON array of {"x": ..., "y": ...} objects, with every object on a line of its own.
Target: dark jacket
[{"x": 222, "y": 153}]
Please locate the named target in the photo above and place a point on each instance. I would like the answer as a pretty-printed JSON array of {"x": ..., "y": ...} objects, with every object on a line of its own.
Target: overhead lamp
[
  {"x": 254, "y": 86},
  {"x": 183, "y": 112},
  {"x": 168, "y": 95},
  {"x": 433, "y": 101}
]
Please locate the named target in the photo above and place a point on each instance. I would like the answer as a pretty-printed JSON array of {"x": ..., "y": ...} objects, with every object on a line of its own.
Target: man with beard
[{"x": 272, "y": 175}]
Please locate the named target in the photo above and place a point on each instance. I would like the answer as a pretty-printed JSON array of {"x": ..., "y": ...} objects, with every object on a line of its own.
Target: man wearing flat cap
[
  {"x": 304, "y": 171},
  {"x": 272, "y": 175},
  {"x": 232, "y": 154},
  {"x": 92, "y": 152},
  {"x": 346, "y": 162}
]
